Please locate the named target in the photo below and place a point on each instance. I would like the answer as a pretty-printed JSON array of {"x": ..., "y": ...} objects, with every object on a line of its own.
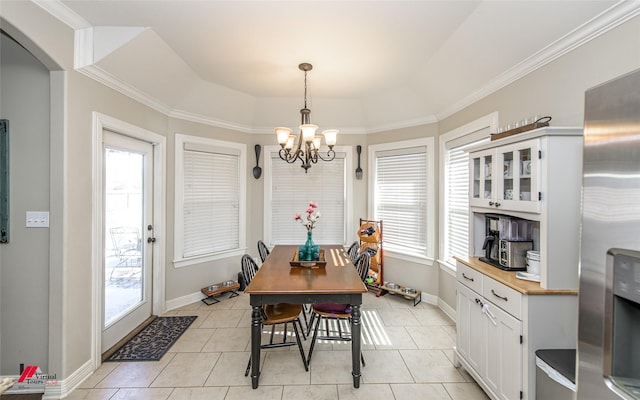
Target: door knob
[{"x": 151, "y": 240}]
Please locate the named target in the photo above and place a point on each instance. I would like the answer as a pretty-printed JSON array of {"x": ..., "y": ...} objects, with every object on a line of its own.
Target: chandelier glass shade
[{"x": 305, "y": 146}]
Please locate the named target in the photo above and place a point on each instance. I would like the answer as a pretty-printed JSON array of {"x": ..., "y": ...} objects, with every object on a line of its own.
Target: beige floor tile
[
  {"x": 263, "y": 392},
  {"x": 430, "y": 366},
  {"x": 222, "y": 319},
  {"x": 186, "y": 369},
  {"x": 142, "y": 394},
  {"x": 98, "y": 375},
  {"x": 207, "y": 393},
  {"x": 385, "y": 366},
  {"x": 398, "y": 317},
  {"x": 393, "y": 337},
  {"x": 229, "y": 370},
  {"x": 91, "y": 394},
  {"x": 365, "y": 392},
  {"x": 228, "y": 339},
  {"x": 451, "y": 331},
  {"x": 431, "y": 316},
  {"x": 398, "y": 301},
  {"x": 430, "y": 337},
  {"x": 331, "y": 367},
  {"x": 284, "y": 368},
  {"x": 431, "y": 391},
  {"x": 408, "y": 351},
  {"x": 192, "y": 341},
  {"x": 465, "y": 391},
  {"x": 135, "y": 374},
  {"x": 310, "y": 392},
  {"x": 202, "y": 315}
]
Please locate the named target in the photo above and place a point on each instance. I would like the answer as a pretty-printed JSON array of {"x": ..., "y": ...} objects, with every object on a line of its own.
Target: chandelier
[{"x": 306, "y": 145}]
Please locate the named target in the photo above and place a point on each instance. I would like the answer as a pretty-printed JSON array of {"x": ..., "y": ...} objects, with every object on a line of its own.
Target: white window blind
[
  {"x": 457, "y": 205},
  {"x": 211, "y": 200},
  {"x": 291, "y": 192},
  {"x": 456, "y": 240},
  {"x": 401, "y": 198}
]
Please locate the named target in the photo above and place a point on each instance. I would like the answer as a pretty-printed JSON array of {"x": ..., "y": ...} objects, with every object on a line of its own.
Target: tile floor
[{"x": 408, "y": 354}]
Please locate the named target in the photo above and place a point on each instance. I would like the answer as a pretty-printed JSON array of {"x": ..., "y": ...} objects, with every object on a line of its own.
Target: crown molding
[
  {"x": 63, "y": 13},
  {"x": 98, "y": 74},
  {"x": 203, "y": 119},
  {"x": 614, "y": 16},
  {"x": 609, "y": 19}
]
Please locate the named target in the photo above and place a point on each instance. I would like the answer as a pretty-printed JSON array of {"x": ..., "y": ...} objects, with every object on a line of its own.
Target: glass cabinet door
[
  {"x": 482, "y": 171},
  {"x": 518, "y": 189}
]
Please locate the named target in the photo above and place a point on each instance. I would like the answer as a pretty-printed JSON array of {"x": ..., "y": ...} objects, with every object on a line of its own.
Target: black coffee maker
[{"x": 491, "y": 240}]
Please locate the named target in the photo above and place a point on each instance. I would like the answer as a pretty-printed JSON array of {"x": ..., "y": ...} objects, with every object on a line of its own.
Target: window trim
[
  {"x": 429, "y": 144},
  {"x": 348, "y": 202},
  {"x": 470, "y": 132},
  {"x": 180, "y": 141}
]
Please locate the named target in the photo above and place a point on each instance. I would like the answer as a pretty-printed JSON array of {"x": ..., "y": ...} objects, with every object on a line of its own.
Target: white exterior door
[{"x": 128, "y": 228}]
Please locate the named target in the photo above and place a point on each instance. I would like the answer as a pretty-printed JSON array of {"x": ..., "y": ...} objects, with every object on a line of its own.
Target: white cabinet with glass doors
[{"x": 506, "y": 177}]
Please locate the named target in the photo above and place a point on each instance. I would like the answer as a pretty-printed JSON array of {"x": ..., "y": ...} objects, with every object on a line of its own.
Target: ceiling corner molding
[
  {"x": 63, "y": 13},
  {"x": 409, "y": 123},
  {"x": 94, "y": 43},
  {"x": 201, "y": 119},
  {"x": 110, "y": 81},
  {"x": 614, "y": 16}
]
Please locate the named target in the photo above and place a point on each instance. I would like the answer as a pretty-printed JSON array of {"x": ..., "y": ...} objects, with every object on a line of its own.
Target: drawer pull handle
[
  {"x": 493, "y": 292},
  {"x": 466, "y": 277}
]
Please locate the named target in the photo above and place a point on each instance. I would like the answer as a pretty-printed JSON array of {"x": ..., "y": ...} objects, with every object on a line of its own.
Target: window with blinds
[
  {"x": 403, "y": 196},
  {"x": 456, "y": 195},
  {"x": 291, "y": 192},
  {"x": 209, "y": 198}
]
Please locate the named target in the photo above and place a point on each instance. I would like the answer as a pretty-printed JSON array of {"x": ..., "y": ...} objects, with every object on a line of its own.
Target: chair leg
[
  {"x": 310, "y": 324},
  {"x": 273, "y": 329},
  {"x": 304, "y": 315},
  {"x": 246, "y": 372},
  {"x": 304, "y": 359},
  {"x": 284, "y": 334},
  {"x": 362, "y": 359},
  {"x": 313, "y": 341}
]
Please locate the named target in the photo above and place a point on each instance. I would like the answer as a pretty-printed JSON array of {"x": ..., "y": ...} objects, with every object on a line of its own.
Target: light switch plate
[{"x": 37, "y": 219}]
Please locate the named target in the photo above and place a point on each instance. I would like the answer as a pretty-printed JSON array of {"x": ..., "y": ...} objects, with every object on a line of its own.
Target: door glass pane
[
  {"x": 507, "y": 175},
  {"x": 476, "y": 178},
  {"x": 123, "y": 277},
  {"x": 525, "y": 174},
  {"x": 487, "y": 177}
]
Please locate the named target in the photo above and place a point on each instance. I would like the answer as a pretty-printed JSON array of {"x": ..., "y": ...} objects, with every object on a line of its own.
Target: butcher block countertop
[{"x": 509, "y": 278}]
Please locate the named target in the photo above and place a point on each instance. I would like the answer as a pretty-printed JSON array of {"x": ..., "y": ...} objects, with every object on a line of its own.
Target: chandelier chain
[{"x": 305, "y": 89}]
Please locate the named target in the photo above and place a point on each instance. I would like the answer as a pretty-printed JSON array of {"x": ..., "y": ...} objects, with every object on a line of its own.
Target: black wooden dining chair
[
  {"x": 336, "y": 312},
  {"x": 275, "y": 314},
  {"x": 263, "y": 250},
  {"x": 352, "y": 251}
]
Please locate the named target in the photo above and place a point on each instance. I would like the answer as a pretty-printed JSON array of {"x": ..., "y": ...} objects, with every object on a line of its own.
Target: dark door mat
[{"x": 151, "y": 343}]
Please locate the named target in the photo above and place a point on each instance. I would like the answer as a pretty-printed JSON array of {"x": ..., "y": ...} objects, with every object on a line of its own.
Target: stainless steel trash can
[{"x": 556, "y": 374}]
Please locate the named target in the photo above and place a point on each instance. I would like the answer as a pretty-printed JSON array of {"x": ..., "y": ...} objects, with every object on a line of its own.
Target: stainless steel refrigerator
[{"x": 609, "y": 298}]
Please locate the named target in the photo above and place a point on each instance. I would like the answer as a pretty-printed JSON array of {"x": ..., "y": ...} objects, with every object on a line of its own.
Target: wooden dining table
[{"x": 278, "y": 282}]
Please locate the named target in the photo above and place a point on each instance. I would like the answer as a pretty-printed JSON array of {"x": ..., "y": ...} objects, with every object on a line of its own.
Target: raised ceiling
[{"x": 377, "y": 64}]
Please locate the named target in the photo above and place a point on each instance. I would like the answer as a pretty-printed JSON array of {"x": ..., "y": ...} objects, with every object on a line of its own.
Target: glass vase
[{"x": 309, "y": 251}]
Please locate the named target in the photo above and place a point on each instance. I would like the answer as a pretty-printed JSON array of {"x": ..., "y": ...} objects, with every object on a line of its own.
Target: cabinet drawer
[
  {"x": 502, "y": 296},
  {"x": 469, "y": 277}
]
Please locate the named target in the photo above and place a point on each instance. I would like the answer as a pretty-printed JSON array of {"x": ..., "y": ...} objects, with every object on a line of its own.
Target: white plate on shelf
[{"x": 527, "y": 276}]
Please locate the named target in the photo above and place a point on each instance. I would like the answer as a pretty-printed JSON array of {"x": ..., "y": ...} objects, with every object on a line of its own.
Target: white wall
[
  {"x": 556, "y": 89},
  {"x": 24, "y": 281}
]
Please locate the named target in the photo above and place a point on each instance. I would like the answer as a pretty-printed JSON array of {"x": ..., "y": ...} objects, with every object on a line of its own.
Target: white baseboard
[
  {"x": 429, "y": 298},
  {"x": 447, "y": 309},
  {"x": 66, "y": 386},
  {"x": 183, "y": 301}
]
